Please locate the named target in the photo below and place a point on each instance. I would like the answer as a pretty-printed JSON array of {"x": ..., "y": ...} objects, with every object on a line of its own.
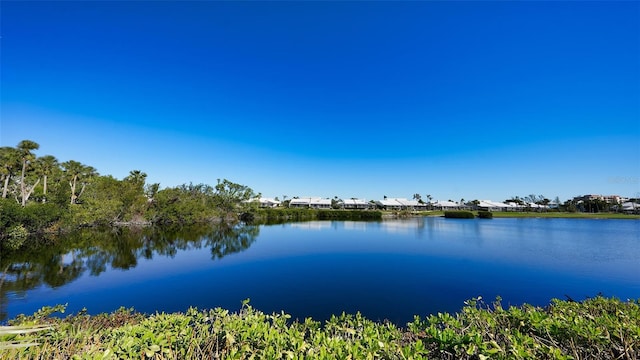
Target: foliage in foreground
[{"x": 598, "y": 328}]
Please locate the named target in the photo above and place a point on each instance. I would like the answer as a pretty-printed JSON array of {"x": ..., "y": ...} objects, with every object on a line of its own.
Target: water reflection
[
  {"x": 96, "y": 251},
  {"x": 392, "y": 269}
]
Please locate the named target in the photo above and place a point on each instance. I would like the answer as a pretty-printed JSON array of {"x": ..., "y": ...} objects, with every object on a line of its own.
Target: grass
[{"x": 597, "y": 328}]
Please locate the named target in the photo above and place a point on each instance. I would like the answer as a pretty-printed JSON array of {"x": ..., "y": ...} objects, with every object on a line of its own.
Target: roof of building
[
  {"x": 493, "y": 204},
  {"x": 268, "y": 200},
  {"x": 446, "y": 203},
  {"x": 398, "y": 202},
  {"x": 355, "y": 201},
  {"x": 310, "y": 201}
]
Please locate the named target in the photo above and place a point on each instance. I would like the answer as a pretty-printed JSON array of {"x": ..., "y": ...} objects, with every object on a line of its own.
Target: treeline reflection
[{"x": 59, "y": 261}]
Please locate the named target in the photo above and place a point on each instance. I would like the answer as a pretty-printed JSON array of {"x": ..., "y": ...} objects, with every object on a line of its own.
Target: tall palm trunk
[
  {"x": 44, "y": 188},
  {"x": 6, "y": 186},
  {"x": 73, "y": 189},
  {"x": 23, "y": 191}
]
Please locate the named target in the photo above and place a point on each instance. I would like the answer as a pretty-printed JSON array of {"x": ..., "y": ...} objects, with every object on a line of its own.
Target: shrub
[
  {"x": 315, "y": 214},
  {"x": 16, "y": 237},
  {"x": 485, "y": 214},
  {"x": 37, "y": 217},
  {"x": 10, "y": 213},
  {"x": 459, "y": 215},
  {"x": 349, "y": 215}
]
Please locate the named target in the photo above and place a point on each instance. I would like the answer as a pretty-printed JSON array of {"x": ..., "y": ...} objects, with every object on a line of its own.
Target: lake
[{"x": 392, "y": 269}]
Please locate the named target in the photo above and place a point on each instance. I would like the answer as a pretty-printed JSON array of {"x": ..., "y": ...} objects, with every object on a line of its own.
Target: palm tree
[
  {"x": 9, "y": 162},
  {"x": 137, "y": 177},
  {"x": 76, "y": 172},
  {"x": 24, "y": 149},
  {"x": 46, "y": 165}
]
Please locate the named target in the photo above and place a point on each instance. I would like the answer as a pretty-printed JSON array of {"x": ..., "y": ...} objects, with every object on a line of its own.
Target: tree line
[{"x": 43, "y": 194}]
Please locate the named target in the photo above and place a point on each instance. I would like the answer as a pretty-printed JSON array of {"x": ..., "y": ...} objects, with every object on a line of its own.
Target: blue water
[{"x": 393, "y": 269}]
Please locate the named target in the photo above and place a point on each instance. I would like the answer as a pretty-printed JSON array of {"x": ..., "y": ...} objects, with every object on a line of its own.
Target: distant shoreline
[{"x": 548, "y": 215}]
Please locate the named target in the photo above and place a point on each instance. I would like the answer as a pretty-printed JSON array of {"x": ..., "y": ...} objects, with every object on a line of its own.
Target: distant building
[
  {"x": 609, "y": 199},
  {"x": 354, "y": 204},
  {"x": 401, "y": 204},
  {"x": 630, "y": 207},
  {"x": 488, "y": 205},
  {"x": 445, "y": 205},
  {"x": 265, "y": 202},
  {"x": 310, "y": 203}
]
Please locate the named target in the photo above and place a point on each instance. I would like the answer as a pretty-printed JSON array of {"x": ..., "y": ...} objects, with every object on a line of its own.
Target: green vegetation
[
  {"x": 41, "y": 195},
  {"x": 291, "y": 214},
  {"x": 459, "y": 215},
  {"x": 485, "y": 214},
  {"x": 597, "y": 328}
]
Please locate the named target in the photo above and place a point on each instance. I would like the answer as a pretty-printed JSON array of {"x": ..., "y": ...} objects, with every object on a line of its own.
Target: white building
[
  {"x": 265, "y": 202},
  {"x": 354, "y": 204},
  {"x": 310, "y": 202},
  {"x": 401, "y": 204},
  {"x": 445, "y": 205}
]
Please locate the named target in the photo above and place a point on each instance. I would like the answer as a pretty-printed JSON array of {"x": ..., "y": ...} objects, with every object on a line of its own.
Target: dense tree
[
  {"x": 25, "y": 148},
  {"x": 77, "y": 173},
  {"x": 137, "y": 178},
  {"x": 102, "y": 202},
  {"x": 134, "y": 199},
  {"x": 46, "y": 166},
  {"x": 150, "y": 191},
  {"x": 183, "y": 204},
  {"x": 229, "y": 195},
  {"x": 594, "y": 206},
  {"x": 9, "y": 164}
]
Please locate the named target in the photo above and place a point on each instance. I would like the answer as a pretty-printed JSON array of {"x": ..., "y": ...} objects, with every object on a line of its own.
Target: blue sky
[{"x": 474, "y": 100}]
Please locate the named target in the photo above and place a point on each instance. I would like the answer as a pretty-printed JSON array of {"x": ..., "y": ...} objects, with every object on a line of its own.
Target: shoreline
[{"x": 547, "y": 215}]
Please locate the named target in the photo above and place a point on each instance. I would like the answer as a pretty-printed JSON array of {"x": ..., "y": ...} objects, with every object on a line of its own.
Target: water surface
[{"x": 392, "y": 269}]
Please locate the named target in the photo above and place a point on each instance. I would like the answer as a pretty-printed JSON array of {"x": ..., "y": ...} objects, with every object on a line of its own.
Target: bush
[
  {"x": 485, "y": 214},
  {"x": 16, "y": 237},
  {"x": 10, "y": 213},
  {"x": 292, "y": 214},
  {"x": 349, "y": 215},
  {"x": 37, "y": 217},
  {"x": 459, "y": 215}
]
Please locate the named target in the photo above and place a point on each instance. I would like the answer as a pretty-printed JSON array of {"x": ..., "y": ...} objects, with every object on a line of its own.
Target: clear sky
[{"x": 474, "y": 100}]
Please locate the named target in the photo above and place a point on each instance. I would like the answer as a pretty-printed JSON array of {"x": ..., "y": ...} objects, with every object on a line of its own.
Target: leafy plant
[{"x": 596, "y": 328}]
